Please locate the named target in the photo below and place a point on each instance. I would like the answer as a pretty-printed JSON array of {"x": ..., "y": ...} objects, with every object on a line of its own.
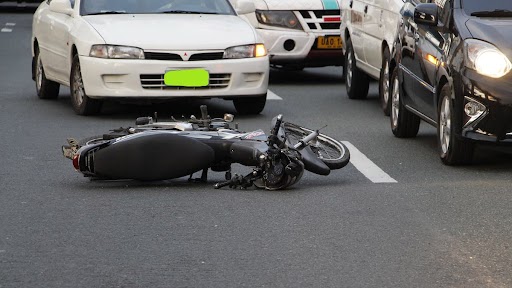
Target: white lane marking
[
  {"x": 6, "y": 30},
  {"x": 366, "y": 166},
  {"x": 272, "y": 96},
  {"x": 10, "y": 24}
]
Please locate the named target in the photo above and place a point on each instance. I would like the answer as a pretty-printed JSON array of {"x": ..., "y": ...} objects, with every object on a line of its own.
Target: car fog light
[{"x": 473, "y": 110}]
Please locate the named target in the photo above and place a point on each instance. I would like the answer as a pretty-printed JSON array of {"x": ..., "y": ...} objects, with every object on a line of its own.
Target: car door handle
[{"x": 366, "y": 9}]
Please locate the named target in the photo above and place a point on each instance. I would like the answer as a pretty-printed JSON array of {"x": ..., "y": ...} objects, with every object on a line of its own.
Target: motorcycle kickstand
[{"x": 203, "y": 179}]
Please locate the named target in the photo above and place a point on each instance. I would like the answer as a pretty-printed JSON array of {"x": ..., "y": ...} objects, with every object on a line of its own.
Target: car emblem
[{"x": 185, "y": 56}]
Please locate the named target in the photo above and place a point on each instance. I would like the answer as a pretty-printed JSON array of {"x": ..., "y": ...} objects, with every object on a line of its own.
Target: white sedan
[{"x": 151, "y": 49}]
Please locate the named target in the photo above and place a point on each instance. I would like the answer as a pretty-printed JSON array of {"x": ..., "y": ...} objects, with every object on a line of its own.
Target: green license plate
[{"x": 187, "y": 78}]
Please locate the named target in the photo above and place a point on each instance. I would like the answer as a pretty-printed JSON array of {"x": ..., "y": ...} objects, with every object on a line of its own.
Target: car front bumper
[
  {"x": 134, "y": 78},
  {"x": 495, "y": 123},
  {"x": 300, "y": 48}
]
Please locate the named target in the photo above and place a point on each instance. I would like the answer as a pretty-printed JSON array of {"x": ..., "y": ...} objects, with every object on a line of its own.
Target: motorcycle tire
[{"x": 330, "y": 151}]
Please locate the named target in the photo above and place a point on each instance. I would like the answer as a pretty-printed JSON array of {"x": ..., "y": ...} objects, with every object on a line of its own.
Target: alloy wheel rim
[
  {"x": 349, "y": 68},
  {"x": 78, "y": 91},
  {"x": 39, "y": 74},
  {"x": 445, "y": 125},
  {"x": 385, "y": 85},
  {"x": 395, "y": 102}
]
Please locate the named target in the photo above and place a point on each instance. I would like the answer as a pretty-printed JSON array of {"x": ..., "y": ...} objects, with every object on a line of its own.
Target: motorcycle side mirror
[{"x": 229, "y": 117}]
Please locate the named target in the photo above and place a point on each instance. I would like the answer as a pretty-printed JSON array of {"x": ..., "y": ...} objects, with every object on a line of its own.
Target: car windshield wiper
[
  {"x": 493, "y": 13},
  {"x": 107, "y": 12},
  {"x": 182, "y": 12}
]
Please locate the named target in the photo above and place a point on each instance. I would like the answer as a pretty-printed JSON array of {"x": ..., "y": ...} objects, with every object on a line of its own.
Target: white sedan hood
[{"x": 173, "y": 31}]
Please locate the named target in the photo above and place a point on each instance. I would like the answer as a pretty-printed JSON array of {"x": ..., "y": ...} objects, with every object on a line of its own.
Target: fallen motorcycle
[{"x": 153, "y": 150}]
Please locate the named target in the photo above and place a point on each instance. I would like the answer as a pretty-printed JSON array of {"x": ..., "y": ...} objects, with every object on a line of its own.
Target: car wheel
[
  {"x": 82, "y": 104},
  {"x": 250, "y": 105},
  {"x": 453, "y": 150},
  {"x": 384, "y": 83},
  {"x": 404, "y": 123},
  {"x": 356, "y": 81},
  {"x": 46, "y": 89}
]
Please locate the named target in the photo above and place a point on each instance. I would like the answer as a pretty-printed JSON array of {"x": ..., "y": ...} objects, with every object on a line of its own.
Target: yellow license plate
[{"x": 328, "y": 42}]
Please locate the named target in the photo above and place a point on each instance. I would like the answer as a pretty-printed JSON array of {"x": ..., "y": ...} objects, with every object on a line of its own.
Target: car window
[
  {"x": 444, "y": 10},
  {"x": 472, "y": 6},
  {"x": 421, "y": 1},
  {"x": 94, "y": 7}
]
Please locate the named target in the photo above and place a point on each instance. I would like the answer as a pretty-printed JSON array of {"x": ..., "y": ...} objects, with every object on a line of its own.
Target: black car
[{"x": 451, "y": 68}]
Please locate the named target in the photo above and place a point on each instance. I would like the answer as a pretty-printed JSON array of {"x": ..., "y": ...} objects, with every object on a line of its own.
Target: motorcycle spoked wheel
[
  {"x": 329, "y": 150},
  {"x": 101, "y": 138}
]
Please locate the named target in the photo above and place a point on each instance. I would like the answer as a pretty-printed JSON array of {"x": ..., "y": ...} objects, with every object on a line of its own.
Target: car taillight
[{"x": 76, "y": 159}]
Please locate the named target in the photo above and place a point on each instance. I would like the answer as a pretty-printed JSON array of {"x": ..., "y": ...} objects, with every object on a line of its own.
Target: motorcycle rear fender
[
  {"x": 152, "y": 156},
  {"x": 312, "y": 163}
]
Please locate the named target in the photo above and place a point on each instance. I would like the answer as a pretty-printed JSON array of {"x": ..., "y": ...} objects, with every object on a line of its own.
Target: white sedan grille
[{"x": 156, "y": 82}]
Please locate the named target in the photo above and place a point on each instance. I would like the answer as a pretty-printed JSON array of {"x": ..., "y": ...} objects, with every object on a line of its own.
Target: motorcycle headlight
[
  {"x": 284, "y": 19},
  {"x": 245, "y": 51},
  {"x": 116, "y": 52},
  {"x": 486, "y": 59}
]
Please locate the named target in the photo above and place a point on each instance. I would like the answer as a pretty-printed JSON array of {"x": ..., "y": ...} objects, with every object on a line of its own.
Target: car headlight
[
  {"x": 245, "y": 51},
  {"x": 284, "y": 19},
  {"x": 116, "y": 52},
  {"x": 486, "y": 59}
]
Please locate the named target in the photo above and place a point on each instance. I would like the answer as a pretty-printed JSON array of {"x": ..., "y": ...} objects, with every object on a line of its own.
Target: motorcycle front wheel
[{"x": 329, "y": 150}]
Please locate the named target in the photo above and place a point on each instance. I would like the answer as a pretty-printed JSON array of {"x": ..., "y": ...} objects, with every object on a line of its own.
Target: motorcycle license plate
[
  {"x": 187, "y": 78},
  {"x": 328, "y": 42}
]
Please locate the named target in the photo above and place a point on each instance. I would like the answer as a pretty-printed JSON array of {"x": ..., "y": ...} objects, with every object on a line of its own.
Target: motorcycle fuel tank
[{"x": 150, "y": 156}]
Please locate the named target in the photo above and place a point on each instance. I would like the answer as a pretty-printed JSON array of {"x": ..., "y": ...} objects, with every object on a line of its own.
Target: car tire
[
  {"x": 250, "y": 105},
  {"x": 46, "y": 89},
  {"x": 384, "y": 83},
  {"x": 82, "y": 104},
  {"x": 404, "y": 124},
  {"x": 453, "y": 150},
  {"x": 356, "y": 81}
]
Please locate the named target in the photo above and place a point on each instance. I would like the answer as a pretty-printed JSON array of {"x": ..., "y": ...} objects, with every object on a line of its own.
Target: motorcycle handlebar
[
  {"x": 204, "y": 112},
  {"x": 304, "y": 142},
  {"x": 279, "y": 120}
]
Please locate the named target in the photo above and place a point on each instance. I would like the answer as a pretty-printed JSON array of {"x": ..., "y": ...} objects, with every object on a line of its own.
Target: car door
[
  {"x": 57, "y": 43},
  {"x": 374, "y": 32},
  {"x": 356, "y": 19},
  {"x": 418, "y": 62}
]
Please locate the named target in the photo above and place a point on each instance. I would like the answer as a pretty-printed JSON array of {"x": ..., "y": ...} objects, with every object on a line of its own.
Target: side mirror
[
  {"x": 61, "y": 6},
  {"x": 245, "y": 7},
  {"x": 426, "y": 14},
  {"x": 407, "y": 10}
]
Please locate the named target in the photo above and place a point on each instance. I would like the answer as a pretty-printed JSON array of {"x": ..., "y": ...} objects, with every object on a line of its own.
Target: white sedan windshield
[{"x": 95, "y": 7}]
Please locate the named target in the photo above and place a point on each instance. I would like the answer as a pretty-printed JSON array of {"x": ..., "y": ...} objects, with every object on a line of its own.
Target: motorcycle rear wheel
[{"x": 330, "y": 151}]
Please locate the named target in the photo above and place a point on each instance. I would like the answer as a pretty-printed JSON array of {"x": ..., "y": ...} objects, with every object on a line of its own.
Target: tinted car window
[{"x": 472, "y": 6}]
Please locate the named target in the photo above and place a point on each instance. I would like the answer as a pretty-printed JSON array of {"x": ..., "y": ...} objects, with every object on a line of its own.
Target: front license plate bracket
[{"x": 187, "y": 78}]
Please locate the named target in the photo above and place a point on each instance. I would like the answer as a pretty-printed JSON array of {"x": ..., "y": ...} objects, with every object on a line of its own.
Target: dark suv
[{"x": 451, "y": 68}]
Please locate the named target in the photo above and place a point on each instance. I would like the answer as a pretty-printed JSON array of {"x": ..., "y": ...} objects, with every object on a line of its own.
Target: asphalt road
[{"x": 431, "y": 226}]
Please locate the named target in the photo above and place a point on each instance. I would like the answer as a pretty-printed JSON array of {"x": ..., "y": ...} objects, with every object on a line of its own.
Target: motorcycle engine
[{"x": 282, "y": 171}]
